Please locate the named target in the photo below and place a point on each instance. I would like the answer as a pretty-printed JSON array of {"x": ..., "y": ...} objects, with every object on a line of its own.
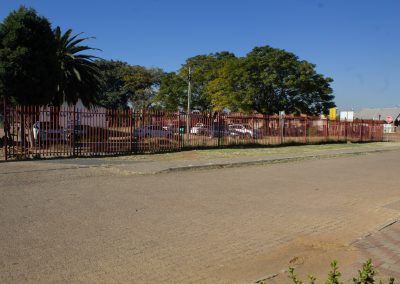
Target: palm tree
[{"x": 79, "y": 76}]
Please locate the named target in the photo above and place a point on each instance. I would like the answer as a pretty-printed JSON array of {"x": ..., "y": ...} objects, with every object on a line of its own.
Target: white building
[{"x": 94, "y": 116}]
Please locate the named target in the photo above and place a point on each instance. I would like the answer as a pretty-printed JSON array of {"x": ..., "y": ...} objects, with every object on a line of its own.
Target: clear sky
[{"x": 356, "y": 42}]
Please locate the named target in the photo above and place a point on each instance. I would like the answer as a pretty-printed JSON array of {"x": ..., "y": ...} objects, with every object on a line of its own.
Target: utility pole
[{"x": 188, "y": 105}]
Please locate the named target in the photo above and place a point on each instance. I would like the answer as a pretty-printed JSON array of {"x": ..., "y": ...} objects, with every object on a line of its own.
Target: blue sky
[{"x": 356, "y": 42}]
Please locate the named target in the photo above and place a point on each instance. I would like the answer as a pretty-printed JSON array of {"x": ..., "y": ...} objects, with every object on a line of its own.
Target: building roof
[{"x": 376, "y": 113}]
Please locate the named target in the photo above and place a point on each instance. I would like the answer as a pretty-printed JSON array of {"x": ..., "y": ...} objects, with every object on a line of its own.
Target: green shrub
[{"x": 365, "y": 276}]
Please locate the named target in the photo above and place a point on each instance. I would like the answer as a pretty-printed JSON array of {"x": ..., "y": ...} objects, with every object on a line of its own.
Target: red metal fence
[{"x": 43, "y": 132}]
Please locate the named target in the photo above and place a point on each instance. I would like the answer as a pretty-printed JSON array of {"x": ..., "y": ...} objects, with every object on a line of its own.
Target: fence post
[
  {"x": 73, "y": 132},
  {"x": 305, "y": 130},
  {"x": 252, "y": 126},
  {"x": 130, "y": 130},
  {"x": 219, "y": 130},
  {"x": 267, "y": 129},
  {"x": 327, "y": 129},
  {"x": 179, "y": 130},
  {"x": 22, "y": 129},
  {"x": 5, "y": 129},
  {"x": 282, "y": 125}
]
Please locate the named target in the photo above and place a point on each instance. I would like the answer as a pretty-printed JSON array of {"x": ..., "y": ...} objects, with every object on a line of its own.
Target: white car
[
  {"x": 242, "y": 130},
  {"x": 152, "y": 131},
  {"x": 199, "y": 129}
]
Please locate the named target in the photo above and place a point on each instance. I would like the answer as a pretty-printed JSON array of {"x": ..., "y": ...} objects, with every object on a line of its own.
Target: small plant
[
  {"x": 293, "y": 276},
  {"x": 334, "y": 275},
  {"x": 365, "y": 276}
]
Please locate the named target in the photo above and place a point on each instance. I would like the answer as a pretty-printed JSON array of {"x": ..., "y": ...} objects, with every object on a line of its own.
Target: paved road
[{"x": 68, "y": 223}]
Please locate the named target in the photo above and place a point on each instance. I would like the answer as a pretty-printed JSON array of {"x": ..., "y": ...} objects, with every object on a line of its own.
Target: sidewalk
[{"x": 153, "y": 164}]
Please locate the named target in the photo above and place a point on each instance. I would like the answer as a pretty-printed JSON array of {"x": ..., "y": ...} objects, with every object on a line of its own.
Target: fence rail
[{"x": 43, "y": 132}]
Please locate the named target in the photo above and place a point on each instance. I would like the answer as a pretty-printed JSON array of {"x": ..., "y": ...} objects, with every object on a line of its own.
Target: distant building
[
  {"x": 389, "y": 115},
  {"x": 94, "y": 116},
  {"x": 346, "y": 116}
]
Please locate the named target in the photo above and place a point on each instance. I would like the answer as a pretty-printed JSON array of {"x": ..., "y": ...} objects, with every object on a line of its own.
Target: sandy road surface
[{"x": 64, "y": 223}]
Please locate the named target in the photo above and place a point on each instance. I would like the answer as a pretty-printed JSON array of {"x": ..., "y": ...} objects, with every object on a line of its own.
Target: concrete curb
[{"x": 267, "y": 161}]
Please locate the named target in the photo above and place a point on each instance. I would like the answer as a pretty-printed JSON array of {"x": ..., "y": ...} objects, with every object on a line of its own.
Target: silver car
[{"x": 152, "y": 131}]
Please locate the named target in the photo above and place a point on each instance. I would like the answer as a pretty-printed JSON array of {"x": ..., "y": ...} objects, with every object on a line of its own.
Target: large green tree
[
  {"x": 78, "y": 76},
  {"x": 124, "y": 85},
  {"x": 172, "y": 94},
  {"x": 205, "y": 68},
  {"x": 141, "y": 85},
  {"x": 112, "y": 93},
  {"x": 269, "y": 80},
  {"x": 27, "y": 58}
]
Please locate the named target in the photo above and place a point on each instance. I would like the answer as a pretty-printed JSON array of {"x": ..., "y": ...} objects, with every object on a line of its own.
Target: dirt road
[{"x": 66, "y": 223}]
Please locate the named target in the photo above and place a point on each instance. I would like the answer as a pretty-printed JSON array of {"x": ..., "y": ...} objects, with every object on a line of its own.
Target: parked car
[
  {"x": 218, "y": 130},
  {"x": 243, "y": 130},
  {"x": 152, "y": 131},
  {"x": 44, "y": 132},
  {"x": 75, "y": 133},
  {"x": 199, "y": 129}
]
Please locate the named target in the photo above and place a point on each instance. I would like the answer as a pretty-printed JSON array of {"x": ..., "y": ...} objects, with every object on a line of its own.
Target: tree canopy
[
  {"x": 42, "y": 66},
  {"x": 204, "y": 69},
  {"x": 27, "y": 58},
  {"x": 269, "y": 80},
  {"x": 172, "y": 94},
  {"x": 123, "y": 85},
  {"x": 112, "y": 93},
  {"x": 141, "y": 84}
]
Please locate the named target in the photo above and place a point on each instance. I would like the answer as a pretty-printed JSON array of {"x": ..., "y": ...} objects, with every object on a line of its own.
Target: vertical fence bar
[
  {"x": 46, "y": 133},
  {"x": 5, "y": 126},
  {"x": 112, "y": 142},
  {"x": 96, "y": 142},
  {"x": 100, "y": 132},
  {"x": 73, "y": 132},
  {"x": 118, "y": 131},
  {"x": 18, "y": 128},
  {"x": 82, "y": 124},
  {"x": 361, "y": 130},
  {"x": 90, "y": 123},
  {"x": 23, "y": 140},
  {"x": 39, "y": 129},
  {"x": 53, "y": 131},
  {"x": 105, "y": 131},
  {"x": 112, "y": 131},
  {"x": 29, "y": 145},
  {"x": 63, "y": 131},
  {"x": 327, "y": 129},
  {"x": 14, "y": 145}
]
